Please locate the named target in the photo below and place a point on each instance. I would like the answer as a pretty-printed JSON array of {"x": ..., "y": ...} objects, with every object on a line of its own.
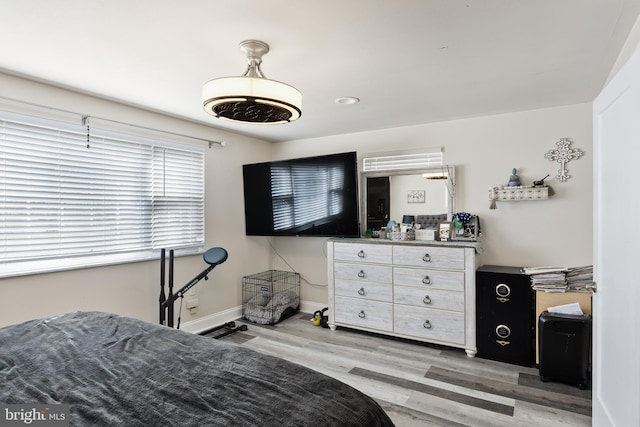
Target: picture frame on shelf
[
  {"x": 471, "y": 231},
  {"x": 444, "y": 231}
]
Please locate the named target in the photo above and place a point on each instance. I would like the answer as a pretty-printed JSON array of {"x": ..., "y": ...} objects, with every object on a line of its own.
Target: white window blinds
[
  {"x": 65, "y": 204},
  {"x": 177, "y": 198},
  {"x": 402, "y": 160}
]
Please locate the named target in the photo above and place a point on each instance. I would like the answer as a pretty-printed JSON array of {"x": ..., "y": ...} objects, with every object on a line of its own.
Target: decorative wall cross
[{"x": 562, "y": 155}]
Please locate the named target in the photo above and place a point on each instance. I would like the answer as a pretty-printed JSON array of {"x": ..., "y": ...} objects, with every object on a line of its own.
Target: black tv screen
[{"x": 311, "y": 196}]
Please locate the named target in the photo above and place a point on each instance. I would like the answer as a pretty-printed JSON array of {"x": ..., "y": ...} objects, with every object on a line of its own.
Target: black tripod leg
[{"x": 163, "y": 297}]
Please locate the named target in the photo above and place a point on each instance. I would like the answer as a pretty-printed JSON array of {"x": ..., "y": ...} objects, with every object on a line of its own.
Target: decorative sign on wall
[
  {"x": 415, "y": 196},
  {"x": 562, "y": 155}
]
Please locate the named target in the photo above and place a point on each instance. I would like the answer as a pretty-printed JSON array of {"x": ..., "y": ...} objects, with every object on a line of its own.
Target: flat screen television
[{"x": 311, "y": 196}]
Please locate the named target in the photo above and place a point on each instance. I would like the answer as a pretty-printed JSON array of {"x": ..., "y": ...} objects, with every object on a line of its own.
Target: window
[{"x": 69, "y": 200}]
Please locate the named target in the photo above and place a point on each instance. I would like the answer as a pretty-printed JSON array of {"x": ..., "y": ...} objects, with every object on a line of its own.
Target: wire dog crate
[{"x": 270, "y": 296}]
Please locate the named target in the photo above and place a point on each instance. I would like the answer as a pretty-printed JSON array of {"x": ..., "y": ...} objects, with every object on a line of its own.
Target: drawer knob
[
  {"x": 427, "y": 324},
  {"x": 426, "y": 299},
  {"x": 361, "y": 291},
  {"x": 361, "y": 314},
  {"x": 361, "y": 254},
  {"x": 503, "y": 290},
  {"x": 426, "y": 258},
  {"x": 426, "y": 280},
  {"x": 361, "y": 274},
  {"x": 503, "y": 331}
]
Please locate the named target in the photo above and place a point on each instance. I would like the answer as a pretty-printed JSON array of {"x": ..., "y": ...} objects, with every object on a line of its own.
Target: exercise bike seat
[{"x": 215, "y": 256}]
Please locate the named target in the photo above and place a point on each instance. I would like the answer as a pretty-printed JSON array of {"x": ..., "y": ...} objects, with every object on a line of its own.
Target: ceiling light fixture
[{"x": 252, "y": 98}]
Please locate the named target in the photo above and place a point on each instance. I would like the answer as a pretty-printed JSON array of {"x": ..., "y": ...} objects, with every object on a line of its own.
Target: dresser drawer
[
  {"x": 364, "y": 290},
  {"x": 362, "y": 252},
  {"x": 429, "y": 256},
  {"x": 429, "y": 279},
  {"x": 429, "y": 298},
  {"x": 430, "y": 324},
  {"x": 363, "y": 272},
  {"x": 364, "y": 313}
]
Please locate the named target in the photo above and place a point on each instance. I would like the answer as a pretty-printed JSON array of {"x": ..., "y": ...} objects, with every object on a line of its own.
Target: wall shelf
[{"x": 505, "y": 194}]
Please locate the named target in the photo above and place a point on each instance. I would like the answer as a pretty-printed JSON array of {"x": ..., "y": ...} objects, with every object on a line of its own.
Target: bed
[{"x": 114, "y": 370}]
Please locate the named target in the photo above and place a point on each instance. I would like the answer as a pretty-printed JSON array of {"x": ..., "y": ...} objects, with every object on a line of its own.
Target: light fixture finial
[{"x": 252, "y": 98}]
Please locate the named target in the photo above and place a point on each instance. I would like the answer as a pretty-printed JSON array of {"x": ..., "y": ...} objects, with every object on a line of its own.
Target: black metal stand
[
  {"x": 213, "y": 257},
  {"x": 230, "y": 327}
]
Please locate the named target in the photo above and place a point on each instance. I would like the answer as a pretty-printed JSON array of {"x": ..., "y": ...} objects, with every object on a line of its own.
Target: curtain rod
[{"x": 85, "y": 117}]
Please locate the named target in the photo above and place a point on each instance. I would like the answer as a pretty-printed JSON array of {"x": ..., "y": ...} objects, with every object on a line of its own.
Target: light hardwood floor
[{"x": 420, "y": 384}]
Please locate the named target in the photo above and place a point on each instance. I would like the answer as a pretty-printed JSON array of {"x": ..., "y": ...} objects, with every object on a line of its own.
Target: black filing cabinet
[{"x": 504, "y": 315}]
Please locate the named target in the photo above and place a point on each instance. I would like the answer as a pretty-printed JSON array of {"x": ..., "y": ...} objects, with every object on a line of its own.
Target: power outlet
[{"x": 192, "y": 303}]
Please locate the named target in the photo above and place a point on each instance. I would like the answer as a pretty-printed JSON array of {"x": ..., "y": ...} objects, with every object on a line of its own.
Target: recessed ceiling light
[{"x": 348, "y": 100}]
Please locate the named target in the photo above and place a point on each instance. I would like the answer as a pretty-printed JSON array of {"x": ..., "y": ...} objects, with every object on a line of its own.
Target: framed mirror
[{"x": 390, "y": 195}]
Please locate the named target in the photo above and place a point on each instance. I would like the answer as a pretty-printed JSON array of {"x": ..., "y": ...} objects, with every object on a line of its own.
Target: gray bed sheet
[{"x": 117, "y": 371}]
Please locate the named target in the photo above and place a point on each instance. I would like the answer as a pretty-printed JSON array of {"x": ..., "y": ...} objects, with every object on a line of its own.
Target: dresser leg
[
  {"x": 332, "y": 326},
  {"x": 471, "y": 352}
]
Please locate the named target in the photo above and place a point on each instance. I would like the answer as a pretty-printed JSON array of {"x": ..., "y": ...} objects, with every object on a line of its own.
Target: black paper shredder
[{"x": 565, "y": 348}]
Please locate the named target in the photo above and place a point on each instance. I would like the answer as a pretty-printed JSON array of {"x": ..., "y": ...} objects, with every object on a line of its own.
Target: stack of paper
[
  {"x": 541, "y": 270},
  {"x": 580, "y": 278},
  {"x": 549, "y": 279}
]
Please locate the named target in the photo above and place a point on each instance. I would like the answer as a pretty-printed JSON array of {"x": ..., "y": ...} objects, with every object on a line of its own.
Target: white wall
[
  {"x": 133, "y": 289},
  {"x": 484, "y": 150}
]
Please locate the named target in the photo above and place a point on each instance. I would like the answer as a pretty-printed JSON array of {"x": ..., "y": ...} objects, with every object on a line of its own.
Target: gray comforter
[{"x": 119, "y": 371}]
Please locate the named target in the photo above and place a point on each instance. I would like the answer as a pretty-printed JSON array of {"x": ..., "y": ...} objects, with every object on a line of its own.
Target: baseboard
[
  {"x": 311, "y": 307},
  {"x": 210, "y": 321}
]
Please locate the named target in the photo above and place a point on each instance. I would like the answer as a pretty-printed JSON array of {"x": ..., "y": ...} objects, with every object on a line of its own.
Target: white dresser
[{"x": 418, "y": 290}]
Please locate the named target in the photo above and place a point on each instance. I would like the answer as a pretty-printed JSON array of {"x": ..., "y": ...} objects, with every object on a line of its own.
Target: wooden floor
[{"x": 419, "y": 384}]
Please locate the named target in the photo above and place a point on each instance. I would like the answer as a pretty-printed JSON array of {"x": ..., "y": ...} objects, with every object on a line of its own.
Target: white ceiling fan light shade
[{"x": 252, "y": 98}]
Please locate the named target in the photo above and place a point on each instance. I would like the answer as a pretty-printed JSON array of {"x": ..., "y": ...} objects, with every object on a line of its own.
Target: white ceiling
[{"x": 409, "y": 61}]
